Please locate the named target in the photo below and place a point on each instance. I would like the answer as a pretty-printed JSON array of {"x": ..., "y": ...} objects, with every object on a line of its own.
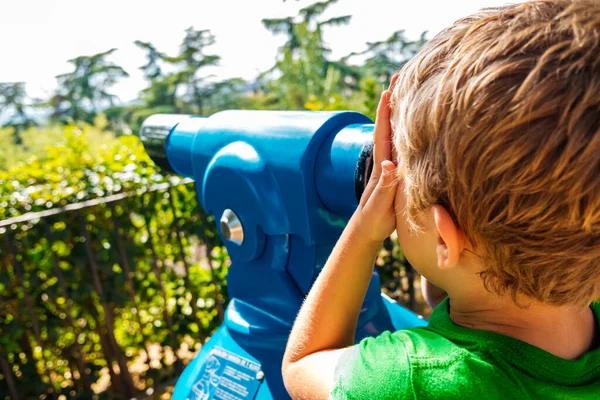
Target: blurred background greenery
[{"x": 111, "y": 277}]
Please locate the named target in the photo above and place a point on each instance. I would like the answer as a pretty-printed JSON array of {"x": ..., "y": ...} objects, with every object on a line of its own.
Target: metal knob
[{"x": 231, "y": 227}]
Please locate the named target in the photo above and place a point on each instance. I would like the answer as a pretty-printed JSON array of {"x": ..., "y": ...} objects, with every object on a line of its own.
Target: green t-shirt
[{"x": 446, "y": 361}]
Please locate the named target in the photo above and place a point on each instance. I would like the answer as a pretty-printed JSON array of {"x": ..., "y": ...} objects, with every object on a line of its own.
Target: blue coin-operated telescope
[{"x": 283, "y": 186}]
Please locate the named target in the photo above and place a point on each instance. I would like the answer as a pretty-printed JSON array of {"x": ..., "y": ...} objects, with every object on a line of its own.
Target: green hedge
[{"x": 56, "y": 319}]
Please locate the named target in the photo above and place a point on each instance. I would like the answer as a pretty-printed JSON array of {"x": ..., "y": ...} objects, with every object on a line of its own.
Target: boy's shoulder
[
  {"x": 411, "y": 363},
  {"x": 444, "y": 360}
]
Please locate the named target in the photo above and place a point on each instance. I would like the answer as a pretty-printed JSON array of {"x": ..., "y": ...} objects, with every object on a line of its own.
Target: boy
[{"x": 496, "y": 202}]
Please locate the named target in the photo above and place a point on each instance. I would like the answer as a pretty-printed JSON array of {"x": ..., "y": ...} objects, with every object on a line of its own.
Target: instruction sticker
[{"x": 227, "y": 376}]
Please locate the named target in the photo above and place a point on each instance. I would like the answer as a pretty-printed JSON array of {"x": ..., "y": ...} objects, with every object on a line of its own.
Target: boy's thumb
[
  {"x": 388, "y": 170},
  {"x": 388, "y": 180},
  {"x": 383, "y": 195}
]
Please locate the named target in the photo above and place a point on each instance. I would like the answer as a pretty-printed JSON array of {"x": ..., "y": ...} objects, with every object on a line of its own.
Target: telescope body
[{"x": 282, "y": 186}]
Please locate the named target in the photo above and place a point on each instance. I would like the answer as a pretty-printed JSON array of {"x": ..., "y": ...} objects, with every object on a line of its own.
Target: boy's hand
[
  {"x": 327, "y": 321},
  {"x": 375, "y": 214}
]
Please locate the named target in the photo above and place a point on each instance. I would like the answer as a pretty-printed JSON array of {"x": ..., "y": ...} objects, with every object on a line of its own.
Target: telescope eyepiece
[{"x": 364, "y": 168}]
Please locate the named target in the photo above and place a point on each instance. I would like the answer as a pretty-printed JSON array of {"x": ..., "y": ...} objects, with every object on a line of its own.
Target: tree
[
  {"x": 152, "y": 69},
  {"x": 160, "y": 96},
  {"x": 192, "y": 60},
  {"x": 309, "y": 16},
  {"x": 303, "y": 70},
  {"x": 386, "y": 57},
  {"x": 13, "y": 105},
  {"x": 83, "y": 92},
  {"x": 286, "y": 26},
  {"x": 185, "y": 88}
]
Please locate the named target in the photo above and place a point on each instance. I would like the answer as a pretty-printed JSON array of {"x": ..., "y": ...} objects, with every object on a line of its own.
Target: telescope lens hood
[{"x": 154, "y": 134}]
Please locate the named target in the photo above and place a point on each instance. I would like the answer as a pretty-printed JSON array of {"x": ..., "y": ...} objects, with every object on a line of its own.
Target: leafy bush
[{"x": 85, "y": 290}]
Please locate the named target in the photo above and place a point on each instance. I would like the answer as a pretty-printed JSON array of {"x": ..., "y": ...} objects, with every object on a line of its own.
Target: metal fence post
[
  {"x": 129, "y": 277},
  {"x": 179, "y": 234},
  {"x": 8, "y": 377},
  {"x": 156, "y": 270},
  {"x": 35, "y": 324},
  {"x": 79, "y": 357},
  {"x": 127, "y": 383}
]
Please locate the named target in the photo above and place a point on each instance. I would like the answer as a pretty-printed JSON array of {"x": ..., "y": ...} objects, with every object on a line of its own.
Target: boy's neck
[{"x": 566, "y": 331}]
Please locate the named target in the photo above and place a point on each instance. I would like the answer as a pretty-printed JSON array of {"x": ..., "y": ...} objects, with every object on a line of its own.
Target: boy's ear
[{"x": 451, "y": 239}]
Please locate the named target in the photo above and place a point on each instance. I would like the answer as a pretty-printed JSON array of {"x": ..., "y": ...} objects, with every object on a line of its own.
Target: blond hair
[{"x": 497, "y": 118}]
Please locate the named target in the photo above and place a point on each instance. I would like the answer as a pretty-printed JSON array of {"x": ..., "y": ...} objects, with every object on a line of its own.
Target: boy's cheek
[
  {"x": 417, "y": 247},
  {"x": 419, "y": 250}
]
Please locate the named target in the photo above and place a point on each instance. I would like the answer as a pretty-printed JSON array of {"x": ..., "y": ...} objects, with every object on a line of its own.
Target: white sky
[{"x": 37, "y": 37}]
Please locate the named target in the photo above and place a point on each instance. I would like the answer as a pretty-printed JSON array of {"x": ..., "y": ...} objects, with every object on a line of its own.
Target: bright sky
[{"x": 39, "y": 36}]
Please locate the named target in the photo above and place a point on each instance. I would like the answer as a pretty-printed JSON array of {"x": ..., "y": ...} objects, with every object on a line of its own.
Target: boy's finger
[
  {"x": 367, "y": 192},
  {"x": 393, "y": 82},
  {"x": 382, "y": 146},
  {"x": 382, "y": 198}
]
